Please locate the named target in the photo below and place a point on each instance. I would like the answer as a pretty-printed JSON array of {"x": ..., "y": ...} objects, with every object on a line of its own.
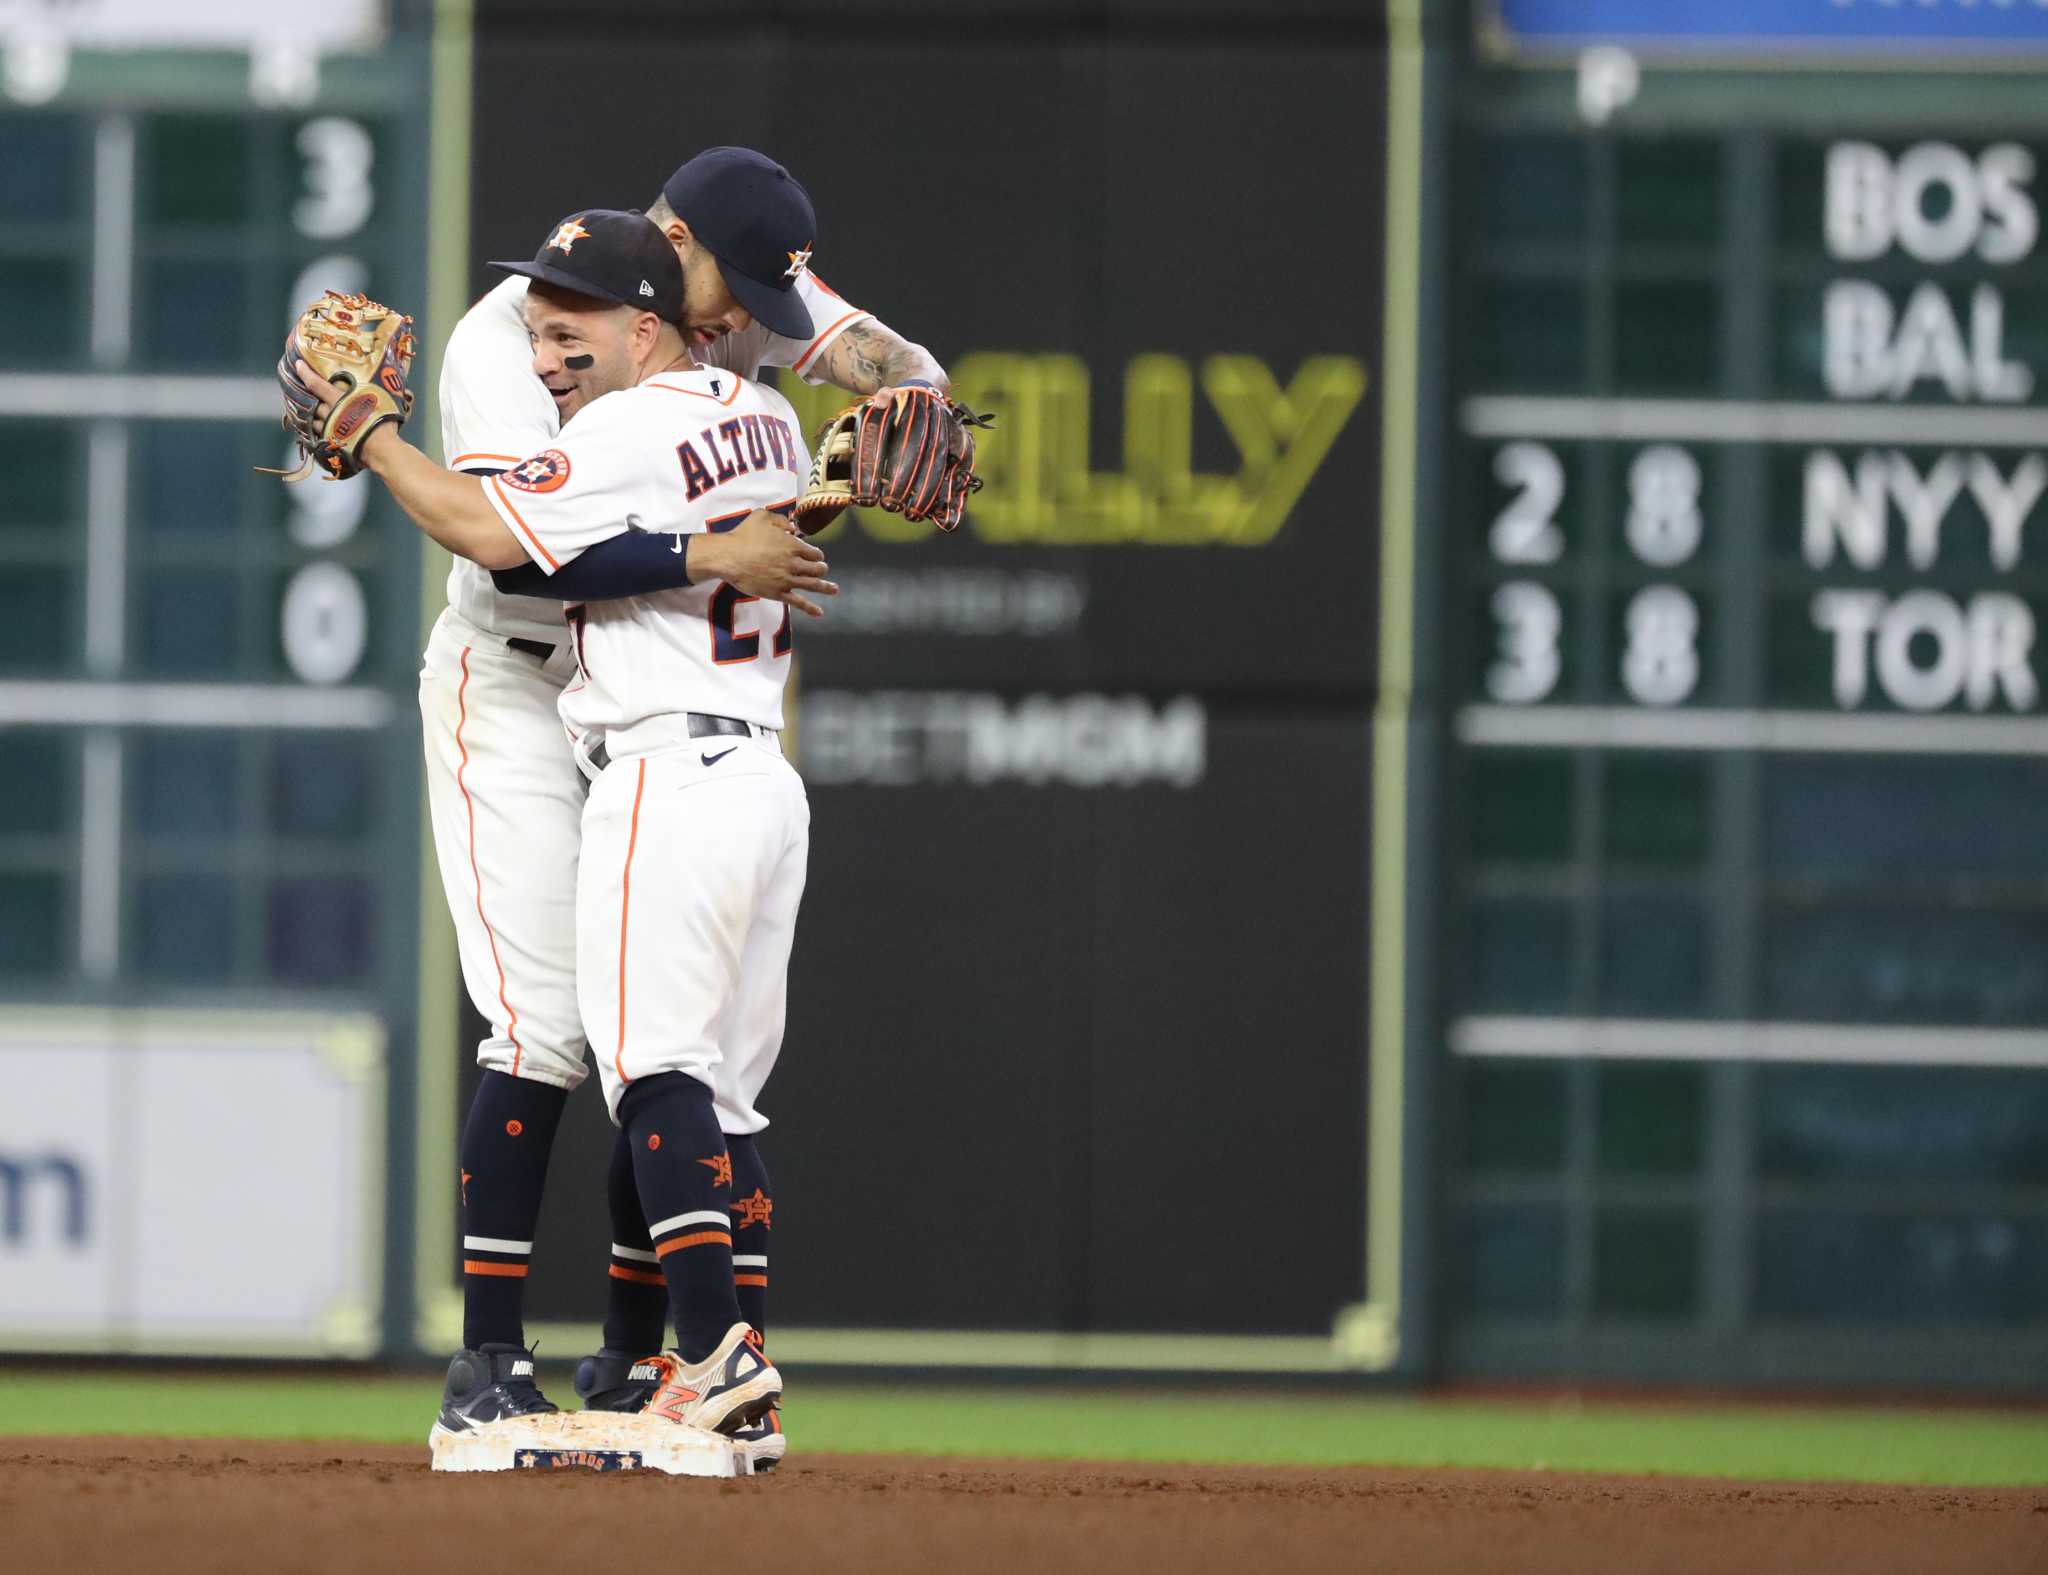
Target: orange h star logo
[
  {"x": 566, "y": 235},
  {"x": 756, "y": 1210}
]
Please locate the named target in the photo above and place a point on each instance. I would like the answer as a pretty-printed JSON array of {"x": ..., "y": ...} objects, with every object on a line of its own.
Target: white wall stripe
[
  {"x": 633, "y": 1254},
  {"x": 1658, "y": 1039},
  {"x": 113, "y": 236},
  {"x": 78, "y": 704},
  {"x": 99, "y": 853},
  {"x": 106, "y": 548},
  {"x": 1794, "y": 732},
  {"x": 106, "y": 553},
  {"x": 496, "y": 1244},
  {"x": 750, "y": 1260},
  {"x": 1750, "y": 421},
  {"x": 700, "y": 1217},
  {"x": 117, "y": 396}
]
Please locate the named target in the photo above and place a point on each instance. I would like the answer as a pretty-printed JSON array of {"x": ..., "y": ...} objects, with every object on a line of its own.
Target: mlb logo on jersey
[{"x": 544, "y": 472}]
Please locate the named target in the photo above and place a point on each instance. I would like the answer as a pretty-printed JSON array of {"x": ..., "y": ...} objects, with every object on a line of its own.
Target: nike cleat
[
  {"x": 494, "y": 1384},
  {"x": 732, "y": 1387},
  {"x": 613, "y": 1381}
]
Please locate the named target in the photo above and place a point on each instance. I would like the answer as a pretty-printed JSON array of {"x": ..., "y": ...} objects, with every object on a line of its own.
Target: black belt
[
  {"x": 539, "y": 649},
  {"x": 700, "y": 725}
]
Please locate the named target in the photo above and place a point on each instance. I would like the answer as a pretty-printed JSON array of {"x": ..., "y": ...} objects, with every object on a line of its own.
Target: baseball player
[
  {"x": 507, "y": 799},
  {"x": 696, "y": 830}
]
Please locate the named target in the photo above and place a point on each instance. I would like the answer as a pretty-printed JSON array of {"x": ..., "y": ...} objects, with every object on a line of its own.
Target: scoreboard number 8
[
  {"x": 1664, "y": 524},
  {"x": 1661, "y": 664}
]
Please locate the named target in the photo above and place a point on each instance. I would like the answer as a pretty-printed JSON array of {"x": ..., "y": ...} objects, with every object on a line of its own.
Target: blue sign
[{"x": 1781, "y": 27}]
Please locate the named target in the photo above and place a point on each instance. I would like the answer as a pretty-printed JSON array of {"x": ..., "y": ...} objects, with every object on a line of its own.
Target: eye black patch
[{"x": 579, "y": 363}]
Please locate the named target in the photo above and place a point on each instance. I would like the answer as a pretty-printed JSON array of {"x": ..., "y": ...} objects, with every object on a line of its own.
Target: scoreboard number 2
[{"x": 1526, "y": 530}]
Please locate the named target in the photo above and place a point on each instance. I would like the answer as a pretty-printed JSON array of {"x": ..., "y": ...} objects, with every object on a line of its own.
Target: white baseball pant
[
  {"x": 507, "y": 804},
  {"x": 694, "y": 854}
]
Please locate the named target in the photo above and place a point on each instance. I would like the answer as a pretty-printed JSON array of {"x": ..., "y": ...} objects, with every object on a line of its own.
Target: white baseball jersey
[
  {"x": 704, "y": 837},
  {"x": 685, "y": 452},
  {"x": 506, "y": 796},
  {"x": 494, "y": 413}
]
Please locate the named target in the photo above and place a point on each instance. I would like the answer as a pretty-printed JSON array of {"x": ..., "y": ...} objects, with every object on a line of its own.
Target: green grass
[{"x": 1953, "y": 1447}]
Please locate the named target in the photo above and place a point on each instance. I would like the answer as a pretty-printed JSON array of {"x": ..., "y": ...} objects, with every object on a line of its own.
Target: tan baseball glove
[{"x": 365, "y": 349}]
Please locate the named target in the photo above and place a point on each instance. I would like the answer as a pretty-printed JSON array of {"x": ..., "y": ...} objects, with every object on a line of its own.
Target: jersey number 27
[{"x": 728, "y": 647}]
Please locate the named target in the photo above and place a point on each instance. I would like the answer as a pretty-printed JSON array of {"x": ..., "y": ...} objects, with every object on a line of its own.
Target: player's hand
[
  {"x": 764, "y": 556},
  {"x": 328, "y": 392},
  {"x": 888, "y": 391}
]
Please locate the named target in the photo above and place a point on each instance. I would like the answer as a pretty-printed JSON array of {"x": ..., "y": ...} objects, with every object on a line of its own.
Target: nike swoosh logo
[{"x": 712, "y": 760}]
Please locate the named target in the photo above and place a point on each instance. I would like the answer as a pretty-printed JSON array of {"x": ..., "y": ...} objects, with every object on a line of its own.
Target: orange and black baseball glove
[{"x": 912, "y": 455}]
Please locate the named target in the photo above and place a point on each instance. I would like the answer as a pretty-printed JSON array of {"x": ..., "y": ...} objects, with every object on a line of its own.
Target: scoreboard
[
  {"x": 1744, "y": 609},
  {"x": 205, "y": 675},
  {"x": 197, "y": 664}
]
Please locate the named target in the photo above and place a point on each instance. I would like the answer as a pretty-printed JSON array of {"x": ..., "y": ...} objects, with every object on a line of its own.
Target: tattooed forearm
[
  {"x": 855, "y": 358},
  {"x": 869, "y": 356}
]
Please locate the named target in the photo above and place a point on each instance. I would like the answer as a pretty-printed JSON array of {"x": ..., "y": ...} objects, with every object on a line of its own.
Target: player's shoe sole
[{"x": 762, "y": 1443}]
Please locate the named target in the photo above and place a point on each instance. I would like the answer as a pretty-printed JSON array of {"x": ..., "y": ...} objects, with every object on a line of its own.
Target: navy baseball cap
[
  {"x": 756, "y": 219},
  {"x": 614, "y": 255}
]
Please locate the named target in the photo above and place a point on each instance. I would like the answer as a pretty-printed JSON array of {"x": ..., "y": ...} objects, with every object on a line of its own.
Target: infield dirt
[{"x": 172, "y": 1507}]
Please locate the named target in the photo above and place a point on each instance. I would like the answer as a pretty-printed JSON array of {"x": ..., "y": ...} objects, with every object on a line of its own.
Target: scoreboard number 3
[
  {"x": 1530, "y": 622},
  {"x": 339, "y": 195}
]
